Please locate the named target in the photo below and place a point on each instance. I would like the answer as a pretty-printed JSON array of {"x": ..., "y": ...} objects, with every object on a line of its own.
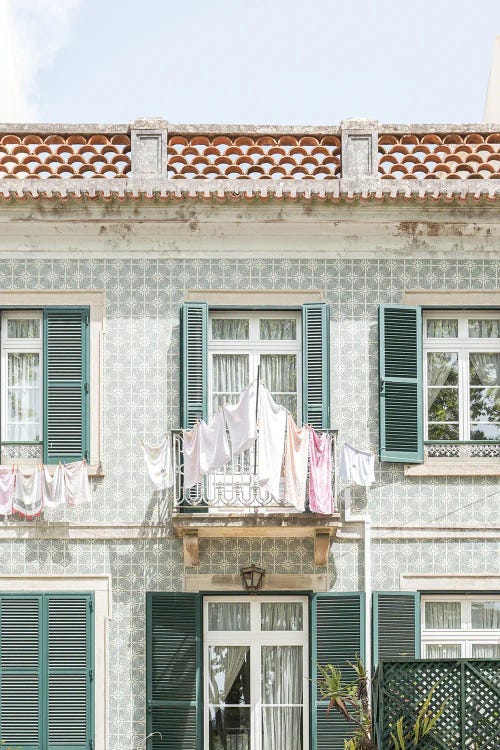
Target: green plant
[{"x": 425, "y": 722}]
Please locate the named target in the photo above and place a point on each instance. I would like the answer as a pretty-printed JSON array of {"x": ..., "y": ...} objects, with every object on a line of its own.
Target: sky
[{"x": 245, "y": 61}]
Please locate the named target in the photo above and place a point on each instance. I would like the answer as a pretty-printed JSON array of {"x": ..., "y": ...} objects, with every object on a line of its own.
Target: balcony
[{"x": 231, "y": 503}]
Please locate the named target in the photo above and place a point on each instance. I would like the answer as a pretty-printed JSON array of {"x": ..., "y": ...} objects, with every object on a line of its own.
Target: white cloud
[{"x": 32, "y": 32}]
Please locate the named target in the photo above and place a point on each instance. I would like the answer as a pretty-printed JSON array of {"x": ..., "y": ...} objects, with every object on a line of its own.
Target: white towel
[
  {"x": 191, "y": 456},
  {"x": 214, "y": 446},
  {"x": 53, "y": 487},
  {"x": 241, "y": 420},
  {"x": 77, "y": 483},
  {"x": 158, "y": 459},
  {"x": 296, "y": 460},
  {"x": 28, "y": 495},
  {"x": 357, "y": 466},
  {"x": 7, "y": 488},
  {"x": 270, "y": 442}
]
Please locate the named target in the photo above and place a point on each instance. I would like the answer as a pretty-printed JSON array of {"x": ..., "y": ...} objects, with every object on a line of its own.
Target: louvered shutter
[
  {"x": 316, "y": 365},
  {"x": 174, "y": 694},
  {"x": 70, "y": 684},
  {"x": 66, "y": 384},
  {"x": 21, "y": 690},
  {"x": 194, "y": 358},
  {"x": 338, "y": 627},
  {"x": 400, "y": 369},
  {"x": 396, "y": 625}
]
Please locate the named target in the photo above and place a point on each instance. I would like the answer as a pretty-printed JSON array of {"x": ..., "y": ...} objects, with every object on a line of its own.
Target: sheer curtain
[
  {"x": 486, "y": 650},
  {"x": 230, "y": 375},
  {"x": 486, "y": 367},
  {"x": 229, "y": 616},
  {"x": 486, "y": 615},
  {"x": 443, "y": 615},
  {"x": 23, "y": 377},
  {"x": 225, "y": 665},
  {"x": 282, "y": 688},
  {"x": 281, "y": 616},
  {"x": 439, "y": 367},
  {"x": 443, "y": 651}
]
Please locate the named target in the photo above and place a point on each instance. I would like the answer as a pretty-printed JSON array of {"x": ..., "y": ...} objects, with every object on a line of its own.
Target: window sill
[
  {"x": 93, "y": 470},
  {"x": 454, "y": 467}
]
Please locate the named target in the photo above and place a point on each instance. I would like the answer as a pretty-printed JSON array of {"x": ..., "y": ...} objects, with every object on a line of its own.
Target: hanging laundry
[
  {"x": 270, "y": 442},
  {"x": 7, "y": 488},
  {"x": 53, "y": 487},
  {"x": 28, "y": 499},
  {"x": 191, "y": 456},
  {"x": 77, "y": 482},
  {"x": 357, "y": 466},
  {"x": 241, "y": 420},
  {"x": 296, "y": 460},
  {"x": 320, "y": 472},
  {"x": 158, "y": 459},
  {"x": 214, "y": 445}
]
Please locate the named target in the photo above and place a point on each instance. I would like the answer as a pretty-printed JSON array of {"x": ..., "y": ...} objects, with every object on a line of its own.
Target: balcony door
[{"x": 256, "y": 673}]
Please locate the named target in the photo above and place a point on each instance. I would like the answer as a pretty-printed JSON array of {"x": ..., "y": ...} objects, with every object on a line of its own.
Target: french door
[{"x": 255, "y": 652}]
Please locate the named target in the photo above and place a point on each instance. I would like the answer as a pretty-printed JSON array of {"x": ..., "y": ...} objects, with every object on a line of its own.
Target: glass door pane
[
  {"x": 23, "y": 396},
  {"x": 230, "y": 375},
  {"x": 442, "y": 396},
  {"x": 484, "y": 374},
  {"x": 279, "y": 373},
  {"x": 282, "y": 697},
  {"x": 229, "y": 696}
]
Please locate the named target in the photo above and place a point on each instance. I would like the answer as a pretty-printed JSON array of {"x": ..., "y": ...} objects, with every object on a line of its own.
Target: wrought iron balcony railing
[{"x": 235, "y": 489}]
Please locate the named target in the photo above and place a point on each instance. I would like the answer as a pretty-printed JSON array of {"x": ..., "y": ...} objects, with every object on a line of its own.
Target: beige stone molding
[
  {"x": 451, "y": 583},
  {"x": 452, "y": 297},
  {"x": 272, "y": 582},
  {"x": 260, "y": 298},
  {"x": 454, "y": 467}
]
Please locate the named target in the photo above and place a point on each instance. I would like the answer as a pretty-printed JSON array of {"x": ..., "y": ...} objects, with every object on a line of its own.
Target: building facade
[{"x": 157, "y": 267}]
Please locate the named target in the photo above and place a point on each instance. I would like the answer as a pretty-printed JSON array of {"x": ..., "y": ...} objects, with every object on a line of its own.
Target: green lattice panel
[{"x": 471, "y": 719}]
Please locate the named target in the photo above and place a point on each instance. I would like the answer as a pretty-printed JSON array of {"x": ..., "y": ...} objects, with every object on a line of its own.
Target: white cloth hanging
[
  {"x": 191, "y": 456},
  {"x": 7, "y": 488},
  {"x": 241, "y": 420},
  {"x": 77, "y": 482},
  {"x": 28, "y": 499},
  {"x": 270, "y": 442},
  {"x": 53, "y": 487},
  {"x": 158, "y": 459},
  {"x": 296, "y": 461},
  {"x": 357, "y": 466},
  {"x": 214, "y": 446}
]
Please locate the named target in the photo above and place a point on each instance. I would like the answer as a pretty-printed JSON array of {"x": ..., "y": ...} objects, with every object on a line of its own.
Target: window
[
  {"x": 256, "y": 673},
  {"x": 240, "y": 342},
  {"x": 456, "y": 627},
  {"x": 462, "y": 376},
  {"x": 44, "y": 389},
  {"x": 46, "y": 663}
]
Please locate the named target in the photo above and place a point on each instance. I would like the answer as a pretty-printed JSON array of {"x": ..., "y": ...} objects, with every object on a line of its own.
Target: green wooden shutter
[
  {"x": 337, "y": 636},
  {"x": 194, "y": 359},
  {"x": 173, "y": 681},
  {"x": 316, "y": 365},
  {"x": 69, "y": 671},
  {"x": 396, "y": 625},
  {"x": 21, "y": 691},
  {"x": 400, "y": 370},
  {"x": 46, "y": 662},
  {"x": 66, "y": 386}
]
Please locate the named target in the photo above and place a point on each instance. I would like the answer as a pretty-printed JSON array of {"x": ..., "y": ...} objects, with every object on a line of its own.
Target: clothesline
[{"x": 29, "y": 495}]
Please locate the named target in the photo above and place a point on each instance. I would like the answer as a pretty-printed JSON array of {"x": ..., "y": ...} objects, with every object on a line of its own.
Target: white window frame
[
  {"x": 254, "y": 346},
  {"x": 465, "y": 636},
  {"x": 254, "y": 639},
  {"x": 25, "y": 346},
  {"x": 463, "y": 344}
]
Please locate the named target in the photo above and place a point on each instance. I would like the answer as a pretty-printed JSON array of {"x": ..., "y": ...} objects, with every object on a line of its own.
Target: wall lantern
[{"x": 252, "y": 577}]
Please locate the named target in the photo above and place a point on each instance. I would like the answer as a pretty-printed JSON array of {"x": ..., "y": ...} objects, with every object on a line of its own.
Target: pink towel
[
  {"x": 320, "y": 473},
  {"x": 7, "y": 486}
]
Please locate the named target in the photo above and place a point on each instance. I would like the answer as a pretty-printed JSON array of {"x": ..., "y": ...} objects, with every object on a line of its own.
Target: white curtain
[
  {"x": 486, "y": 615},
  {"x": 229, "y": 616},
  {"x": 443, "y": 615},
  {"x": 23, "y": 378},
  {"x": 230, "y": 375},
  {"x": 484, "y": 329},
  {"x": 225, "y": 665},
  {"x": 224, "y": 329},
  {"x": 282, "y": 688},
  {"x": 278, "y": 329},
  {"x": 23, "y": 328},
  {"x": 443, "y": 328},
  {"x": 443, "y": 651},
  {"x": 281, "y": 616},
  {"x": 486, "y": 650},
  {"x": 439, "y": 367},
  {"x": 484, "y": 368}
]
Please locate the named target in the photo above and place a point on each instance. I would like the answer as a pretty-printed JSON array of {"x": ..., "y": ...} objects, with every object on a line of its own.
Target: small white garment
[
  {"x": 191, "y": 456},
  {"x": 77, "y": 482},
  {"x": 270, "y": 442},
  {"x": 7, "y": 487},
  {"x": 158, "y": 459},
  {"x": 296, "y": 461},
  {"x": 53, "y": 487},
  {"x": 214, "y": 446},
  {"x": 241, "y": 419},
  {"x": 28, "y": 495},
  {"x": 357, "y": 466}
]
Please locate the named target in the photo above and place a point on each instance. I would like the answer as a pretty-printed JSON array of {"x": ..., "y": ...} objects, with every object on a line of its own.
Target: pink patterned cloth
[
  {"x": 320, "y": 473},
  {"x": 7, "y": 487}
]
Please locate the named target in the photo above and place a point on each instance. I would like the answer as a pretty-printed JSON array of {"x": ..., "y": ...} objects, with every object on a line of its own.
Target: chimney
[{"x": 492, "y": 108}]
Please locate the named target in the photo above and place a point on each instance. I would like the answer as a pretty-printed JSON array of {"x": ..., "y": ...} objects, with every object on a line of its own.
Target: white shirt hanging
[
  {"x": 241, "y": 420},
  {"x": 214, "y": 446},
  {"x": 357, "y": 466},
  {"x": 158, "y": 459},
  {"x": 53, "y": 487},
  {"x": 271, "y": 442}
]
